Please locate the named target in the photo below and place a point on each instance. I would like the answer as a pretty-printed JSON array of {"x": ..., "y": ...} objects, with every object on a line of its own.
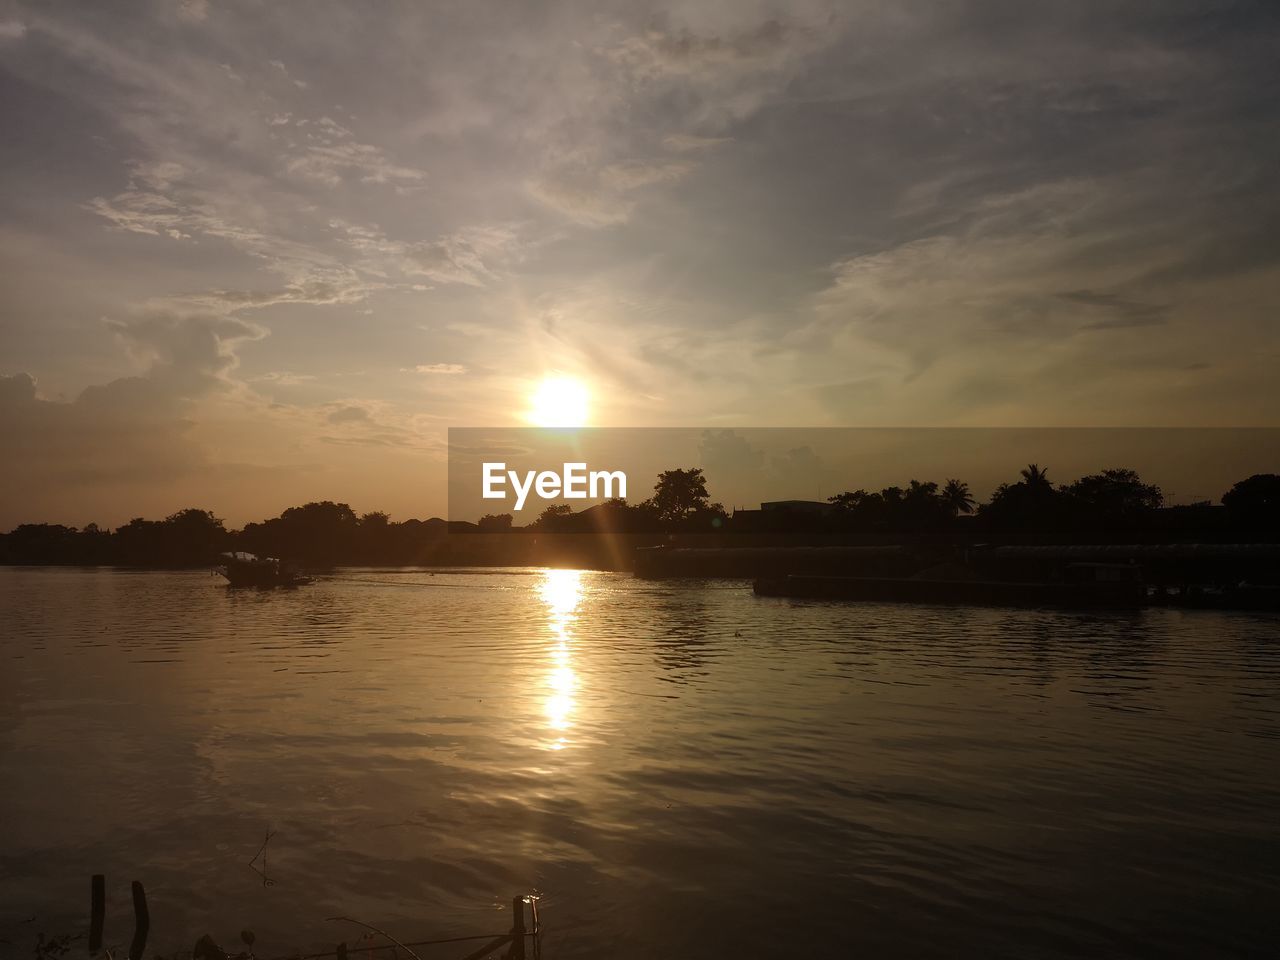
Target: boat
[
  {"x": 980, "y": 592},
  {"x": 663, "y": 562},
  {"x": 1239, "y": 596},
  {"x": 1085, "y": 585},
  {"x": 248, "y": 570}
]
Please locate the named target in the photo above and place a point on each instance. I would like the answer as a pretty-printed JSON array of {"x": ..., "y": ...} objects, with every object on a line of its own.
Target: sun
[{"x": 559, "y": 402}]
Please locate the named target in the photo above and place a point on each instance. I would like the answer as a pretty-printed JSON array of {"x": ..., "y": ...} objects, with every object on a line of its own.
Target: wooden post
[
  {"x": 97, "y": 910},
  {"x": 141, "y": 922},
  {"x": 517, "y": 929}
]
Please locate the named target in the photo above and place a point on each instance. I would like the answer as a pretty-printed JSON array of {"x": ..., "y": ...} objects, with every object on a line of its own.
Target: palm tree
[
  {"x": 956, "y": 497},
  {"x": 1036, "y": 478}
]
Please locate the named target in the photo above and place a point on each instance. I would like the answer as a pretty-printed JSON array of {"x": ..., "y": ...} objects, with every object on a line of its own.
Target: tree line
[
  {"x": 1115, "y": 503},
  {"x": 1112, "y": 501}
]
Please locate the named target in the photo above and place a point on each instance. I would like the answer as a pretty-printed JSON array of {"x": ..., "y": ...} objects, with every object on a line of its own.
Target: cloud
[
  {"x": 803, "y": 471},
  {"x": 196, "y": 10},
  {"x": 18, "y": 388},
  {"x": 165, "y": 201},
  {"x": 189, "y": 354},
  {"x": 663, "y": 47},
  {"x": 727, "y": 454},
  {"x": 135, "y": 446},
  {"x": 1118, "y": 312},
  {"x": 995, "y": 277},
  {"x": 12, "y": 30},
  {"x": 600, "y": 196},
  {"x": 448, "y": 369},
  {"x": 327, "y": 152},
  {"x": 371, "y": 423},
  {"x": 279, "y": 120},
  {"x": 472, "y": 256},
  {"x": 349, "y": 415},
  {"x": 688, "y": 143},
  {"x": 134, "y": 431},
  {"x": 128, "y": 430},
  {"x": 285, "y": 378},
  {"x": 344, "y": 288},
  {"x": 1014, "y": 293}
]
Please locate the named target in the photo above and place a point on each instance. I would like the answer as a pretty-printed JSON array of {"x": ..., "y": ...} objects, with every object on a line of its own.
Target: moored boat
[
  {"x": 247, "y": 570},
  {"x": 979, "y": 592}
]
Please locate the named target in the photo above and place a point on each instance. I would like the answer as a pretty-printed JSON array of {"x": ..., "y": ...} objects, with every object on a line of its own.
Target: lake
[{"x": 679, "y": 769}]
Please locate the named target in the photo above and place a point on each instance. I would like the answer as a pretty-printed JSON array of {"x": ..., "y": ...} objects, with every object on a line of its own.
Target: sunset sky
[{"x": 259, "y": 253}]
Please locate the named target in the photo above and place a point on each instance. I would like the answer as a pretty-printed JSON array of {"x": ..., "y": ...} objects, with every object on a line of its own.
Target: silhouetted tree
[
  {"x": 320, "y": 533},
  {"x": 195, "y": 536},
  {"x": 956, "y": 497},
  {"x": 615, "y": 515},
  {"x": 707, "y": 517},
  {"x": 849, "y": 501},
  {"x": 1257, "y": 496},
  {"x": 861, "y": 510},
  {"x": 374, "y": 536},
  {"x": 679, "y": 493},
  {"x": 1035, "y": 477},
  {"x": 1031, "y": 504},
  {"x": 553, "y": 518},
  {"x": 1253, "y": 505},
  {"x": 643, "y": 518},
  {"x": 189, "y": 537},
  {"x": 918, "y": 492},
  {"x": 919, "y": 507},
  {"x": 1114, "y": 494},
  {"x": 42, "y": 543},
  {"x": 495, "y": 523},
  {"x": 1096, "y": 507}
]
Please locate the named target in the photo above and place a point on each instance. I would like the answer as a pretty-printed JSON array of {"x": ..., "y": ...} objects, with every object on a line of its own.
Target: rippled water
[{"x": 681, "y": 769}]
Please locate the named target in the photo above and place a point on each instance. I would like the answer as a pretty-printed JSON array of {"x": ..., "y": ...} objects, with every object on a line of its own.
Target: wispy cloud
[
  {"x": 326, "y": 152},
  {"x": 437, "y": 369},
  {"x": 196, "y": 10}
]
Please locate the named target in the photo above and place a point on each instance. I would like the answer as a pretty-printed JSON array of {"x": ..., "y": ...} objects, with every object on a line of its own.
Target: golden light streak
[{"x": 561, "y": 591}]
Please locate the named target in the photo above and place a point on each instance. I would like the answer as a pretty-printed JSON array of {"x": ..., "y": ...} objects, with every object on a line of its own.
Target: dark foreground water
[{"x": 681, "y": 769}]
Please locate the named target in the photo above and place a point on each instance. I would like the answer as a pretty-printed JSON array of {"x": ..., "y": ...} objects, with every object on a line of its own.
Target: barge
[{"x": 999, "y": 593}]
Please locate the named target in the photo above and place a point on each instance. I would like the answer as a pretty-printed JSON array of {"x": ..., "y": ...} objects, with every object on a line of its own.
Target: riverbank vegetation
[{"x": 1114, "y": 505}]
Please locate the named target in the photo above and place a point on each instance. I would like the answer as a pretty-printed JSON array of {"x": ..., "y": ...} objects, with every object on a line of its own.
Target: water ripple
[{"x": 682, "y": 769}]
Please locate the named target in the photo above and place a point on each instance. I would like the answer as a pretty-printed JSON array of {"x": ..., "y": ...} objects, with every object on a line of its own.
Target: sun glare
[
  {"x": 561, "y": 591},
  {"x": 559, "y": 402}
]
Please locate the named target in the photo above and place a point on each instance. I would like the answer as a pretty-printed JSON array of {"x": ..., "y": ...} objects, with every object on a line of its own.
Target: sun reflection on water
[{"x": 561, "y": 591}]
